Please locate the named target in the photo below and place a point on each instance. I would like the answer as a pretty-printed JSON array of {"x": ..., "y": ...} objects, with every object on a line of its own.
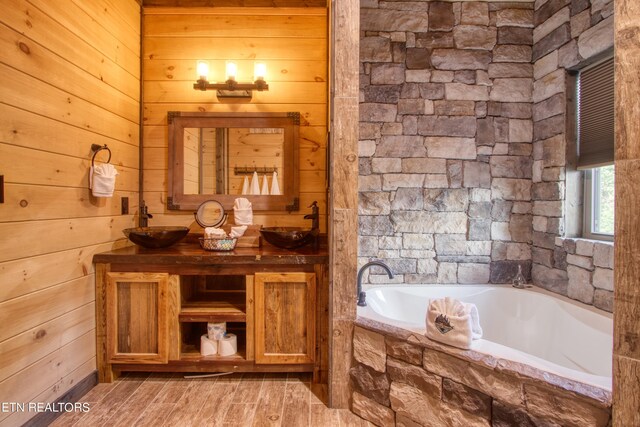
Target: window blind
[{"x": 596, "y": 115}]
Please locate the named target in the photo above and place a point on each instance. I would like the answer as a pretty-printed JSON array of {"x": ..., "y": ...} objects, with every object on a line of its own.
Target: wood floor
[{"x": 232, "y": 400}]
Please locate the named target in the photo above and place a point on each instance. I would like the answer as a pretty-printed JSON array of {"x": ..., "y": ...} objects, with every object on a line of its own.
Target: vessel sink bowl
[
  {"x": 288, "y": 237},
  {"x": 155, "y": 237}
]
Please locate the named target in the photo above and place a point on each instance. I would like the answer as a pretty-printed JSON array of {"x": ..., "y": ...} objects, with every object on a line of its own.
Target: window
[
  {"x": 595, "y": 120},
  {"x": 599, "y": 202}
]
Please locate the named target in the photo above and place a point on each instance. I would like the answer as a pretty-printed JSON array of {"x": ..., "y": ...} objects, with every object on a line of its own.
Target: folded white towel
[
  {"x": 245, "y": 185},
  {"x": 214, "y": 233},
  {"x": 254, "y": 188},
  {"x": 102, "y": 180},
  {"x": 265, "y": 186},
  {"x": 275, "y": 187},
  {"x": 242, "y": 211},
  {"x": 453, "y": 322}
]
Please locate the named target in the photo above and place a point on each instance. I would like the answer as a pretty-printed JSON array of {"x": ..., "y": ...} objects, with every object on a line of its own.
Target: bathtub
[{"x": 531, "y": 327}]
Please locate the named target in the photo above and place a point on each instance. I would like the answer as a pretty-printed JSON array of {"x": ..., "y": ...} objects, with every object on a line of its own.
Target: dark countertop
[{"x": 190, "y": 253}]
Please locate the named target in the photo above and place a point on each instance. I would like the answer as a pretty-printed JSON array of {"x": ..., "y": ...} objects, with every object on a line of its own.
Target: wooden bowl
[
  {"x": 155, "y": 237},
  {"x": 288, "y": 237}
]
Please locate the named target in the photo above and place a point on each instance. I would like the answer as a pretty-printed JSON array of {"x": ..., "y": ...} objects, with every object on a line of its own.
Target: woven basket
[{"x": 218, "y": 244}]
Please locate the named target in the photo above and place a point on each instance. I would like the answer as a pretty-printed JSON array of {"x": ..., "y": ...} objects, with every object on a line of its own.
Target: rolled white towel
[
  {"x": 264, "y": 191},
  {"x": 254, "y": 187},
  {"x": 242, "y": 211},
  {"x": 238, "y": 231},
  {"x": 275, "y": 187},
  {"x": 214, "y": 233},
  {"x": 102, "y": 180},
  {"x": 453, "y": 322},
  {"x": 245, "y": 185}
]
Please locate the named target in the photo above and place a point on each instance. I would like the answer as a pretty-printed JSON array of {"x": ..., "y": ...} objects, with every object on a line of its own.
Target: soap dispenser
[{"x": 519, "y": 280}]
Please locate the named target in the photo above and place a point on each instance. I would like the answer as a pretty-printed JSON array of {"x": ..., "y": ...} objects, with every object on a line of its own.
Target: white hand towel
[
  {"x": 102, "y": 180},
  {"x": 255, "y": 185},
  {"x": 265, "y": 186},
  {"x": 242, "y": 211},
  {"x": 245, "y": 185},
  {"x": 275, "y": 187},
  {"x": 238, "y": 231},
  {"x": 453, "y": 322}
]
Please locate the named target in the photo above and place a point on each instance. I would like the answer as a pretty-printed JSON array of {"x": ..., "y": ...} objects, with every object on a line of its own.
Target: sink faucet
[
  {"x": 314, "y": 216},
  {"x": 362, "y": 295},
  {"x": 144, "y": 216}
]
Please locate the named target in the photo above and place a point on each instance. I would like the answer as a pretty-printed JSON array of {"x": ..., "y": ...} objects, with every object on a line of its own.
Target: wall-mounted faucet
[
  {"x": 144, "y": 216},
  {"x": 362, "y": 295}
]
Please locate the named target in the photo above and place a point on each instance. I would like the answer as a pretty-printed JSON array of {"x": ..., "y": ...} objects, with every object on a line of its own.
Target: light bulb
[
  {"x": 203, "y": 70},
  {"x": 259, "y": 71},
  {"x": 232, "y": 70}
]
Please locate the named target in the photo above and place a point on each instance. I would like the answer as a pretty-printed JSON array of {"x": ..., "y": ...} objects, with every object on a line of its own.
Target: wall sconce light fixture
[{"x": 231, "y": 88}]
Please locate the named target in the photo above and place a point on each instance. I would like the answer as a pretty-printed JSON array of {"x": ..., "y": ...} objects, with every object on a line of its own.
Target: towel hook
[{"x": 96, "y": 149}]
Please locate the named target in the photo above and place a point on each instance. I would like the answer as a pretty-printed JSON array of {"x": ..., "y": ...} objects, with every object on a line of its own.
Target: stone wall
[
  {"x": 446, "y": 135},
  {"x": 462, "y": 142},
  {"x": 401, "y": 382},
  {"x": 567, "y": 34}
]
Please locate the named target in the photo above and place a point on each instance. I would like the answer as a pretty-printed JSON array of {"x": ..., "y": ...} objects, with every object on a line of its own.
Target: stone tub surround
[
  {"x": 413, "y": 381},
  {"x": 446, "y": 131},
  {"x": 462, "y": 141},
  {"x": 567, "y": 33}
]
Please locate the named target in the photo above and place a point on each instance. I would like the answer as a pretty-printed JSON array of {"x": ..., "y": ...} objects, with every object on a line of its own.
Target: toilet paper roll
[
  {"x": 208, "y": 347},
  {"x": 228, "y": 346},
  {"x": 216, "y": 331}
]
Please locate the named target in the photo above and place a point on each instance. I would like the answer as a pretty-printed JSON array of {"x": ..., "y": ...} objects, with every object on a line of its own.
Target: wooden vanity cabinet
[
  {"x": 285, "y": 317},
  {"x": 152, "y": 308}
]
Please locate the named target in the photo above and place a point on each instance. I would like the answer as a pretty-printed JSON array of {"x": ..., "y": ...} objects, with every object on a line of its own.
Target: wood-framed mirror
[{"x": 215, "y": 155}]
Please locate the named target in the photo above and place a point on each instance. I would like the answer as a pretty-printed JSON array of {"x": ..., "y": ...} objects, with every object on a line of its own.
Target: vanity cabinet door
[
  {"x": 284, "y": 317},
  {"x": 136, "y": 315}
]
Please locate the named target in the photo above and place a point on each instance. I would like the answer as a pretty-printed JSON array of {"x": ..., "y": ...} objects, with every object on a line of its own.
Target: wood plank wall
[
  {"x": 626, "y": 359},
  {"x": 293, "y": 44},
  {"x": 70, "y": 78}
]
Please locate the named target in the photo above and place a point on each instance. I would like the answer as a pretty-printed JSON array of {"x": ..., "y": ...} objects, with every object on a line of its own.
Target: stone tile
[
  {"x": 580, "y": 261},
  {"x": 474, "y": 13},
  {"x": 454, "y": 59},
  {"x": 392, "y": 20},
  {"x": 369, "y": 183},
  {"x": 416, "y": 241},
  {"x": 552, "y": 106},
  {"x": 414, "y": 376},
  {"x": 418, "y": 58},
  {"x": 441, "y": 16},
  {"x": 551, "y": 24},
  {"x": 603, "y": 279},
  {"x": 603, "y": 300},
  {"x": 547, "y": 128},
  {"x": 503, "y": 415},
  {"x": 424, "y": 165},
  {"x": 511, "y": 90},
  {"x": 385, "y": 93},
  {"x": 431, "y": 90},
  {"x": 466, "y": 398},
  {"x": 549, "y": 85},
  {"x": 450, "y": 148},
  {"x": 429, "y": 222},
  {"x": 473, "y": 273},
  {"x": 447, "y": 272},
  {"x": 603, "y": 254},
  {"x": 548, "y": 9},
  {"x": 580, "y": 287},
  {"x": 515, "y": 18},
  {"x": 375, "y": 49},
  {"x": 510, "y": 70},
  {"x": 403, "y": 350},
  {"x": 552, "y": 41},
  {"x": 465, "y": 76},
  {"x": 580, "y": 23},
  {"x": 387, "y": 74},
  {"x": 447, "y": 126},
  {"x": 454, "y": 108},
  {"x": 375, "y": 225},
  {"x": 410, "y": 402},
  {"x": 476, "y": 175},
  {"x": 407, "y": 199},
  {"x": 545, "y": 65},
  {"x": 552, "y": 279},
  {"x": 446, "y": 200},
  {"x": 371, "y": 410},
  {"x": 463, "y": 92},
  {"x": 375, "y": 112},
  {"x": 578, "y": 6},
  {"x": 568, "y": 55},
  {"x": 417, "y": 76},
  {"x": 562, "y": 408},
  {"x": 474, "y": 37},
  {"x": 512, "y": 53},
  {"x": 400, "y": 146},
  {"x": 373, "y": 203},
  {"x": 515, "y": 35},
  {"x": 510, "y": 167},
  {"x": 596, "y": 39},
  {"x": 511, "y": 189},
  {"x": 375, "y": 385},
  {"x": 434, "y": 40}
]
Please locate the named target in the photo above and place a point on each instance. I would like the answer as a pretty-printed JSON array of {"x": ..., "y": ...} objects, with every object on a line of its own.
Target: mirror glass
[
  {"x": 223, "y": 160},
  {"x": 224, "y": 156}
]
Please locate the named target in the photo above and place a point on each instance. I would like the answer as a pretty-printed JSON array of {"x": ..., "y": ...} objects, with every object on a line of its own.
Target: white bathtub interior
[{"x": 530, "y": 326}]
